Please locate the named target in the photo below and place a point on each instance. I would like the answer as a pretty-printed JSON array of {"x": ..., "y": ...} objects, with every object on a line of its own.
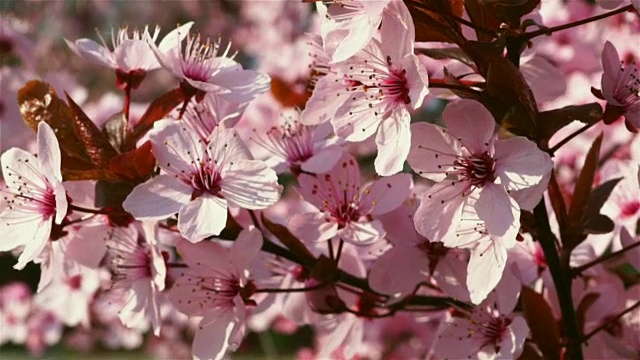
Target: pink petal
[
  {"x": 387, "y": 194},
  {"x": 135, "y": 55},
  {"x": 449, "y": 346},
  {"x": 245, "y": 248},
  {"x": 174, "y": 37},
  {"x": 354, "y": 121},
  {"x": 362, "y": 233},
  {"x": 322, "y": 105},
  {"x": 205, "y": 258},
  {"x": 545, "y": 80},
  {"x": 18, "y": 168},
  {"x": 609, "y": 4},
  {"x": 92, "y": 51},
  {"x": 417, "y": 78},
  {"x": 203, "y": 217},
  {"x": 440, "y": 210},
  {"x": 241, "y": 85},
  {"x": 174, "y": 146},
  {"x": 396, "y": 31},
  {"x": 34, "y": 237},
  {"x": 361, "y": 30},
  {"x": 88, "y": 246},
  {"x": 213, "y": 333},
  {"x": 393, "y": 141},
  {"x": 158, "y": 198},
  {"x": 227, "y": 145},
  {"x": 520, "y": 164},
  {"x": 322, "y": 161},
  {"x": 513, "y": 340},
  {"x": 311, "y": 227},
  {"x": 632, "y": 255},
  {"x": 250, "y": 184},
  {"x": 500, "y": 214},
  {"x": 399, "y": 270},
  {"x": 471, "y": 123},
  {"x": 611, "y": 67},
  {"x": 485, "y": 269},
  {"x": 433, "y": 151},
  {"x": 48, "y": 152}
]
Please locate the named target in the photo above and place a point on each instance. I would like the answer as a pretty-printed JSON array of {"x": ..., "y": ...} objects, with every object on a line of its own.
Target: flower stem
[
  {"x": 570, "y": 137},
  {"x": 291, "y": 290},
  {"x": 551, "y": 30},
  {"x": 439, "y": 85},
  {"x": 577, "y": 271},
  {"x": 610, "y": 321},
  {"x": 560, "y": 273},
  {"x": 89, "y": 211}
]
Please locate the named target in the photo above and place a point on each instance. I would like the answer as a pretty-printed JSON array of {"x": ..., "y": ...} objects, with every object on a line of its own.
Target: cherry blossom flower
[
  {"x": 492, "y": 331},
  {"x": 344, "y": 204},
  {"x": 620, "y": 86},
  {"x": 216, "y": 287},
  {"x": 212, "y": 111},
  {"x": 36, "y": 197},
  {"x": 623, "y": 205},
  {"x": 15, "y": 306},
  {"x": 131, "y": 55},
  {"x": 413, "y": 258},
  {"x": 203, "y": 69},
  {"x": 467, "y": 159},
  {"x": 68, "y": 296},
  {"x": 299, "y": 147},
  {"x": 200, "y": 178},
  {"x": 374, "y": 90},
  {"x": 139, "y": 270},
  {"x": 352, "y": 24}
]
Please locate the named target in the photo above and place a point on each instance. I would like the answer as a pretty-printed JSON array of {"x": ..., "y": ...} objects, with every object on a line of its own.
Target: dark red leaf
[
  {"x": 134, "y": 166},
  {"x": 158, "y": 109},
  {"x": 96, "y": 145},
  {"x": 543, "y": 325},
  {"x": 286, "y": 95}
]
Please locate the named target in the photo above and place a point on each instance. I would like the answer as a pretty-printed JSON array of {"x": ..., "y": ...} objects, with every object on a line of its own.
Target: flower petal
[
  {"x": 48, "y": 152},
  {"x": 158, "y": 198},
  {"x": 485, "y": 269},
  {"x": 471, "y": 123},
  {"x": 433, "y": 151},
  {"x": 394, "y": 142},
  {"x": 245, "y": 249},
  {"x": 386, "y": 194},
  {"x": 520, "y": 164},
  {"x": 440, "y": 210},
  {"x": 250, "y": 184},
  {"x": 213, "y": 333},
  {"x": 312, "y": 227},
  {"x": 500, "y": 214},
  {"x": 203, "y": 217}
]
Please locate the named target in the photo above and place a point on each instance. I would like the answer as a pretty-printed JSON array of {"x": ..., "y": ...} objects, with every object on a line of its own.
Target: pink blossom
[
  {"x": 621, "y": 85},
  {"x": 139, "y": 270},
  {"x": 299, "y": 147},
  {"x": 467, "y": 159},
  {"x": 36, "y": 198},
  {"x": 15, "y": 307},
  {"x": 373, "y": 92},
  {"x": 351, "y": 23},
  {"x": 623, "y": 205},
  {"x": 131, "y": 54},
  {"x": 344, "y": 204},
  {"x": 492, "y": 331},
  {"x": 200, "y": 178},
  {"x": 203, "y": 69},
  {"x": 216, "y": 287},
  {"x": 212, "y": 111}
]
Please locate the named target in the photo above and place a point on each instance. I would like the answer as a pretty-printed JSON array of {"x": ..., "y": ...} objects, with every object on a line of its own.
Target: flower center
[
  {"x": 75, "y": 282},
  {"x": 395, "y": 85},
  {"x": 631, "y": 208},
  {"x": 477, "y": 169},
  {"x": 494, "y": 330},
  {"x": 205, "y": 180},
  {"x": 291, "y": 141}
]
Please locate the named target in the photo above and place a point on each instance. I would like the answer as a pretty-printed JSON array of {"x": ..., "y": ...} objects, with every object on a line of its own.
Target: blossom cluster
[{"x": 412, "y": 179}]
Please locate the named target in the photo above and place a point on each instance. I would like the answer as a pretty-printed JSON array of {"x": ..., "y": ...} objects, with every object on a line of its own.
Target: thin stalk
[
  {"x": 570, "y": 137},
  {"x": 577, "y": 271},
  {"x": 611, "y": 321}
]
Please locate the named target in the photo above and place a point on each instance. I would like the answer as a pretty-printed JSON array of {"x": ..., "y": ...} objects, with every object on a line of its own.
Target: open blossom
[
  {"x": 202, "y": 69},
  {"x": 131, "y": 54},
  {"x": 200, "y": 179},
  {"x": 623, "y": 205},
  {"x": 621, "y": 86},
  {"x": 344, "y": 205},
  {"x": 139, "y": 270},
  {"x": 373, "y": 91},
  {"x": 468, "y": 161},
  {"x": 212, "y": 111},
  {"x": 299, "y": 147},
  {"x": 492, "y": 331},
  {"x": 36, "y": 197},
  {"x": 216, "y": 286},
  {"x": 351, "y": 24}
]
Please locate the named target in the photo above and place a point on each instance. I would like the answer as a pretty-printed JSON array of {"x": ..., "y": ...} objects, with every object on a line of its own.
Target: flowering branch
[
  {"x": 610, "y": 321},
  {"x": 577, "y": 271}
]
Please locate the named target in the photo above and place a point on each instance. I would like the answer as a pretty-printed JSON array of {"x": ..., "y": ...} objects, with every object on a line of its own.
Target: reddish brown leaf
[
  {"x": 433, "y": 20},
  {"x": 544, "y": 327},
  {"x": 38, "y": 102},
  {"x": 549, "y": 122},
  {"x": 96, "y": 145},
  {"x": 483, "y": 17},
  {"x": 286, "y": 96},
  {"x": 134, "y": 166},
  {"x": 582, "y": 191},
  {"x": 557, "y": 202},
  {"x": 158, "y": 109}
]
